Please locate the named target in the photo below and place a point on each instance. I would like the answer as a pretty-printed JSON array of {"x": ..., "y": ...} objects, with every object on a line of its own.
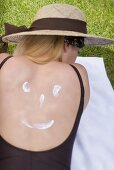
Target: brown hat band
[
  {"x": 49, "y": 24},
  {"x": 59, "y": 24}
]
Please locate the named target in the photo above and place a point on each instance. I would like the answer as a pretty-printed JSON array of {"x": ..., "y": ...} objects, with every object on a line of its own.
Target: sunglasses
[{"x": 74, "y": 41}]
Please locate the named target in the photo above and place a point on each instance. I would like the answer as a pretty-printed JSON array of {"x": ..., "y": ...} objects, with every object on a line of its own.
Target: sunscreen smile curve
[{"x": 43, "y": 125}]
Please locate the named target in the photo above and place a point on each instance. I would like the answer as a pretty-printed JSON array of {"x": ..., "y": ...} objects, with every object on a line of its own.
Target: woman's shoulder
[
  {"x": 67, "y": 74},
  {"x": 15, "y": 61},
  {"x": 9, "y": 62},
  {"x": 6, "y": 62},
  {"x": 14, "y": 69},
  {"x": 81, "y": 69},
  {"x": 3, "y": 56},
  {"x": 68, "y": 68}
]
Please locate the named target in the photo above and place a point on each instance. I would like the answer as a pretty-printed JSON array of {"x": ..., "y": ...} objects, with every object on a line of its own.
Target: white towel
[{"x": 94, "y": 145}]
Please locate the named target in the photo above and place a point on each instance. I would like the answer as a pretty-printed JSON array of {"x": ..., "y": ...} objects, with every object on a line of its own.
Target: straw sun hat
[{"x": 56, "y": 19}]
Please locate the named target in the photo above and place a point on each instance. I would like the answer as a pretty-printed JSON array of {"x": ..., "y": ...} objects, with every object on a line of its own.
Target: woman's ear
[
  {"x": 66, "y": 47},
  {"x": 69, "y": 54}
]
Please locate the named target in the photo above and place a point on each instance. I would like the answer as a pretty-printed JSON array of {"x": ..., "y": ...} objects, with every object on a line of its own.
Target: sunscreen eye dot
[
  {"x": 26, "y": 87},
  {"x": 56, "y": 90}
]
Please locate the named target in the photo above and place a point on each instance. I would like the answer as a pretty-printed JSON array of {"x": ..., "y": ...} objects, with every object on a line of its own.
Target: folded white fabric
[{"x": 94, "y": 145}]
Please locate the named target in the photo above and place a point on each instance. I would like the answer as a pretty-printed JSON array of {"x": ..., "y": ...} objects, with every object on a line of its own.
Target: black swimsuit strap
[
  {"x": 80, "y": 109},
  {"x": 82, "y": 89},
  {"x": 2, "y": 63}
]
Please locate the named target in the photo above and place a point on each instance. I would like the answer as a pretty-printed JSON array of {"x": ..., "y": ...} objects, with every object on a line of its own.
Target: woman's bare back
[{"x": 39, "y": 103}]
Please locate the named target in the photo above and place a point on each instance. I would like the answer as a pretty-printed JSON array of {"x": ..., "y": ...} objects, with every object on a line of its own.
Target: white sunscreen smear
[
  {"x": 56, "y": 90},
  {"x": 42, "y": 98},
  {"x": 26, "y": 87},
  {"x": 42, "y": 126}
]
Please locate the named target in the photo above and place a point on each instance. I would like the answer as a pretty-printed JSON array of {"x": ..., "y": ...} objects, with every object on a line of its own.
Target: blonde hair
[{"x": 41, "y": 48}]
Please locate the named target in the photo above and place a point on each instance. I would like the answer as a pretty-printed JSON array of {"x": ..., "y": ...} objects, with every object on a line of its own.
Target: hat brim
[{"x": 89, "y": 39}]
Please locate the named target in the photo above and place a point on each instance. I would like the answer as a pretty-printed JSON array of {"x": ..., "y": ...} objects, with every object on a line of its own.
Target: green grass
[{"x": 99, "y": 14}]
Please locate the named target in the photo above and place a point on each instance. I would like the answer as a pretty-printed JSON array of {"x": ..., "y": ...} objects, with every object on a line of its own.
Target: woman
[{"x": 42, "y": 96}]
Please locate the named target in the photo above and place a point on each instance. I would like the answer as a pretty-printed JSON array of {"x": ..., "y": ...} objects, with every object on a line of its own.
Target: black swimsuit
[{"x": 58, "y": 158}]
